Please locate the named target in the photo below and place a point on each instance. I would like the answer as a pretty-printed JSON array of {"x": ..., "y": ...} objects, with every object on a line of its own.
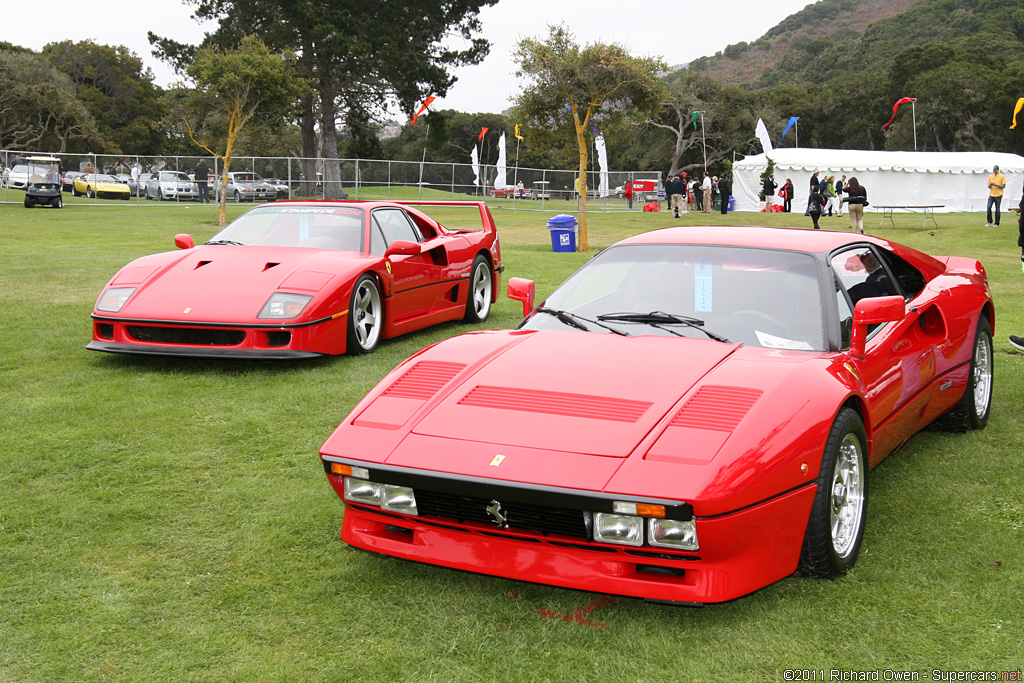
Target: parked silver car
[
  {"x": 246, "y": 186},
  {"x": 171, "y": 185},
  {"x": 284, "y": 191}
]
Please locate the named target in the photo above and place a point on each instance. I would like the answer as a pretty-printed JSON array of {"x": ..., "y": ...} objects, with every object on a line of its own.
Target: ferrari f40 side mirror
[
  {"x": 521, "y": 289},
  {"x": 872, "y": 311},
  {"x": 402, "y": 248}
]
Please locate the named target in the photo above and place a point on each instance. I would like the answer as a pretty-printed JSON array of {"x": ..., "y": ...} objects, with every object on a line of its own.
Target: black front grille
[
  {"x": 519, "y": 516},
  {"x": 186, "y": 335}
]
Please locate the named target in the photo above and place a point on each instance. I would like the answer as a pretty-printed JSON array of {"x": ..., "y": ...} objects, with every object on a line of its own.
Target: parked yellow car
[{"x": 100, "y": 185}]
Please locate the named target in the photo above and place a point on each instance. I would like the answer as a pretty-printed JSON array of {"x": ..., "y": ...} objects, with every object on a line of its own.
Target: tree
[
  {"x": 571, "y": 84},
  {"x": 236, "y": 89},
  {"x": 689, "y": 92},
  {"x": 38, "y": 107},
  {"x": 119, "y": 93},
  {"x": 355, "y": 55}
]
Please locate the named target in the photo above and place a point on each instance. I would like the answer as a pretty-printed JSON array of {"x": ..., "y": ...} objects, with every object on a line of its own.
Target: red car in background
[
  {"x": 689, "y": 417},
  {"x": 302, "y": 279}
]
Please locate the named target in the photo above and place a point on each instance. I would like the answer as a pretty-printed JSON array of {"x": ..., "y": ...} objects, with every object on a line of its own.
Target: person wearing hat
[{"x": 996, "y": 185}]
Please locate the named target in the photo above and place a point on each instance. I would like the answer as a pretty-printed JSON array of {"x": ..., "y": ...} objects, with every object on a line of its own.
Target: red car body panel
[
  {"x": 730, "y": 432},
  {"x": 220, "y": 289}
]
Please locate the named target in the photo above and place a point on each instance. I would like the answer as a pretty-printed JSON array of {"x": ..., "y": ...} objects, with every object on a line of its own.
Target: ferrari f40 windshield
[
  {"x": 760, "y": 297},
  {"x": 315, "y": 227}
]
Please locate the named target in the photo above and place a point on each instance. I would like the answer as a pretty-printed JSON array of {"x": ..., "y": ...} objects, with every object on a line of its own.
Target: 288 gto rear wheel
[{"x": 836, "y": 525}]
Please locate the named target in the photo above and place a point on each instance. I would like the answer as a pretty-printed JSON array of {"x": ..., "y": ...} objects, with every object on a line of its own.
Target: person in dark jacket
[
  {"x": 676, "y": 196},
  {"x": 857, "y": 199},
  {"x": 787, "y": 196},
  {"x": 769, "y": 189},
  {"x": 815, "y": 204},
  {"x": 723, "y": 190}
]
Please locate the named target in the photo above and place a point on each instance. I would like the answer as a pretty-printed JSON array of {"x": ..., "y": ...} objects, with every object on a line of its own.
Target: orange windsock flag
[
  {"x": 423, "y": 108},
  {"x": 1016, "y": 110},
  {"x": 483, "y": 131}
]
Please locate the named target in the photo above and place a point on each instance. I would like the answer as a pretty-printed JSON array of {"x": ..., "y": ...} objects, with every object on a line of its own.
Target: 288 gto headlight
[
  {"x": 282, "y": 306},
  {"x": 114, "y": 298},
  {"x": 671, "y": 533},
  {"x": 620, "y": 529}
]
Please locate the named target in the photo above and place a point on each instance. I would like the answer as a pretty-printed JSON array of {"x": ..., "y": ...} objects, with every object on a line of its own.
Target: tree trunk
[
  {"x": 307, "y": 165},
  {"x": 329, "y": 136},
  {"x": 581, "y": 140}
]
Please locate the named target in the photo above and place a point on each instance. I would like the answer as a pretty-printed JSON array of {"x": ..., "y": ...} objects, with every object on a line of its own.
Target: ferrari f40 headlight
[
  {"x": 282, "y": 306},
  {"x": 114, "y": 298},
  {"x": 620, "y": 529},
  {"x": 671, "y": 533}
]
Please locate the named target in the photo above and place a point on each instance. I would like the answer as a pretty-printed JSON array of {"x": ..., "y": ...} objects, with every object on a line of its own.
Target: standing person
[
  {"x": 202, "y": 174},
  {"x": 769, "y": 188},
  {"x": 857, "y": 200},
  {"x": 996, "y": 185},
  {"x": 828, "y": 191},
  {"x": 840, "y": 184},
  {"x": 676, "y": 195},
  {"x": 815, "y": 186},
  {"x": 698, "y": 195},
  {"x": 787, "y": 199},
  {"x": 705, "y": 190},
  {"x": 815, "y": 204},
  {"x": 723, "y": 190}
]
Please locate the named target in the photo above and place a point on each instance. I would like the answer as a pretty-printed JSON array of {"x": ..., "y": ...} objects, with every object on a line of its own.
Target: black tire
[
  {"x": 365, "y": 317},
  {"x": 159, "y": 195},
  {"x": 29, "y": 203},
  {"x": 972, "y": 411},
  {"x": 74, "y": 192},
  {"x": 478, "y": 300},
  {"x": 835, "y": 529},
  {"x": 238, "y": 197},
  {"x": 89, "y": 193},
  {"x": 57, "y": 202}
]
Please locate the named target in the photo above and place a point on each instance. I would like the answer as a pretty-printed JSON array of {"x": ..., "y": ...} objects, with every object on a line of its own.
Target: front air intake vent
[
  {"x": 716, "y": 408},
  {"x": 556, "y": 403},
  {"x": 423, "y": 380}
]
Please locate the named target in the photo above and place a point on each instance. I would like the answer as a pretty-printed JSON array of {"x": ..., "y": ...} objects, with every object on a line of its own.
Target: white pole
[
  {"x": 913, "y": 111},
  {"x": 703, "y": 142},
  {"x": 796, "y": 131}
]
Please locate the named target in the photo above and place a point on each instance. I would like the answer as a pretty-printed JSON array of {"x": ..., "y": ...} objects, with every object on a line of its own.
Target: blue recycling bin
[
  {"x": 732, "y": 204},
  {"x": 563, "y": 232}
]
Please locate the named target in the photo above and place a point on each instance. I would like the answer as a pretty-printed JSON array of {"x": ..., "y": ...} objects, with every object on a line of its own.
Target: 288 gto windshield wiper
[
  {"x": 573, "y": 320},
  {"x": 225, "y": 242},
  {"x": 659, "y": 319}
]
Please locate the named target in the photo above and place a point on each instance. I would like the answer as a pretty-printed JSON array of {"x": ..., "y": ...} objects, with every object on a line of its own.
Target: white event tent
[{"x": 954, "y": 180}]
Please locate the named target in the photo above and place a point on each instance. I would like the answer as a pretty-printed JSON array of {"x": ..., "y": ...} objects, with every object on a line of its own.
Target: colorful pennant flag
[
  {"x": 593, "y": 128},
  {"x": 518, "y": 136},
  {"x": 1016, "y": 110},
  {"x": 423, "y": 108},
  {"x": 902, "y": 100},
  {"x": 694, "y": 116},
  {"x": 792, "y": 122},
  {"x": 483, "y": 131}
]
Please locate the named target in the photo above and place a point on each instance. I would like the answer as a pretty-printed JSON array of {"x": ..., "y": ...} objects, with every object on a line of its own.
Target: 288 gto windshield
[{"x": 760, "y": 297}]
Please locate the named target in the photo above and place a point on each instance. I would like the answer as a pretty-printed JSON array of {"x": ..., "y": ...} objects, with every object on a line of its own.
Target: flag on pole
[
  {"x": 474, "y": 161},
  {"x": 499, "y": 181},
  {"x": 792, "y": 121},
  {"x": 602, "y": 164},
  {"x": 694, "y": 116},
  {"x": 1016, "y": 110},
  {"x": 761, "y": 131},
  {"x": 518, "y": 136},
  {"x": 483, "y": 131},
  {"x": 423, "y": 108},
  {"x": 902, "y": 100}
]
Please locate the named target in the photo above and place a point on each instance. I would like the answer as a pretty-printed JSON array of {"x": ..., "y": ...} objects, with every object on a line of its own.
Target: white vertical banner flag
[
  {"x": 602, "y": 163},
  {"x": 761, "y": 131},
  {"x": 499, "y": 180},
  {"x": 474, "y": 160}
]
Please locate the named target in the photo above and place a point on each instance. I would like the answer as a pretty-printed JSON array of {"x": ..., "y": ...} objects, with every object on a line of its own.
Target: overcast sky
[{"x": 646, "y": 29}]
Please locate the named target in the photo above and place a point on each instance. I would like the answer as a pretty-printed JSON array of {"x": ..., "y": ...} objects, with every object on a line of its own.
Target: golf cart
[{"x": 43, "y": 185}]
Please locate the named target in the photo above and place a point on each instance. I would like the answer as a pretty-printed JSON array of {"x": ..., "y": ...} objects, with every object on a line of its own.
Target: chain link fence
[{"x": 164, "y": 179}]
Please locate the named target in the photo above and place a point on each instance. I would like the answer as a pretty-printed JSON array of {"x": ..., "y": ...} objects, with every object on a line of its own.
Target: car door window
[
  {"x": 863, "y": 274},
  {"x": 395, "y": 225},
  {"x": 377, "y": 243}
]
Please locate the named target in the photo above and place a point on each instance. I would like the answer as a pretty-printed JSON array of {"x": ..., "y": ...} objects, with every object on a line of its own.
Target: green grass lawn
[{"x": 169, "y": 520}]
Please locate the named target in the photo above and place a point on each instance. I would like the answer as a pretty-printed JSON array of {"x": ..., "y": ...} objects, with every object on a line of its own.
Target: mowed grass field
[{"x": 169, "y": 519}]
